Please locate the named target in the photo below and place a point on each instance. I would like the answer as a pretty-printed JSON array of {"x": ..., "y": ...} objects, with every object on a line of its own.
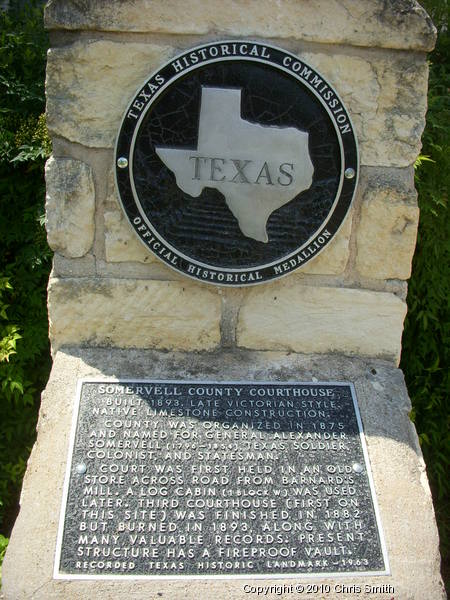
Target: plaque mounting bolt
[
  {"x": 357, "y": 467},
  {"x": 81, "y": 469},
  {"x": 349, "y": 173},
  {"x": 122, "y": 162}
]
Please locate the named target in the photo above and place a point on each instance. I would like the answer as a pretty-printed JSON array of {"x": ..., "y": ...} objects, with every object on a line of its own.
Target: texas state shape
[{"x": 257, "y": 168}]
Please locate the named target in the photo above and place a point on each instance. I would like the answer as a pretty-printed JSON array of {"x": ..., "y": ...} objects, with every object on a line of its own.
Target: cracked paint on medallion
[{"x": 235, "y": 157}]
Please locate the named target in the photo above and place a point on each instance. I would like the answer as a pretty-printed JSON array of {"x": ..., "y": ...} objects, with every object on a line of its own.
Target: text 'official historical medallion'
[{"x": 236, "y": 163}]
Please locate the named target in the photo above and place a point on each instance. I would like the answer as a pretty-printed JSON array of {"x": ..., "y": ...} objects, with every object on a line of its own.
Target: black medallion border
[{"x": 158, "y": 82}]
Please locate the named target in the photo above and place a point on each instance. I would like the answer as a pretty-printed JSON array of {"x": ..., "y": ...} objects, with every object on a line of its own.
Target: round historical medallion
[{"x": 236, "y": 163}]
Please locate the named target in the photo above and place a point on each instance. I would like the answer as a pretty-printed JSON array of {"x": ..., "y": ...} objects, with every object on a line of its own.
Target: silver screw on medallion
[
  {"x": 81, "y": 469},
  {"x": 357, "y": 468},
  {"x": 122, "y": 162},
  {"x": 349, "y": 173}
]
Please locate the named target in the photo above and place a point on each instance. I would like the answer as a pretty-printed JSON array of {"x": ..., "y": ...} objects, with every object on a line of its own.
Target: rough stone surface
[
  {"x": 386, "y": 99},
  {"x": 386, "y": 236},
  {"x": 89, "y": 85},
  {"x": 70, "y": 206},
  {"x": 121, "y": 242},
  {"x": 321, "y": 319},
  {"x": 333, "y": 259},
  {"x": 133, "y": 313},
  {"x": 137, "y": 270},
  {"x": 397, "y": 466},
  {"x": 71, "y": 267},
  {"x": 391, "y": 24}
]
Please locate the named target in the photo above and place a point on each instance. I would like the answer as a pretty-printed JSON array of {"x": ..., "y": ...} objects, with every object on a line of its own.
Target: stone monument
[{"x": 232, "y": 209}]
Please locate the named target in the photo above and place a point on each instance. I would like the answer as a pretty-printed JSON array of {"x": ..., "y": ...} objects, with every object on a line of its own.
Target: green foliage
[
  {"x": 3, "y": 546},
  {"x": 24, "y": 254},
  {"x": 426, "y": 347}
]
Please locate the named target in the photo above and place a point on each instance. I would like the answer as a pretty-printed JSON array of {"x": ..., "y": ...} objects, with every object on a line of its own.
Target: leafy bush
[
  {"x": 426, "y": 348},
  {"x": 24, "y": 254}
]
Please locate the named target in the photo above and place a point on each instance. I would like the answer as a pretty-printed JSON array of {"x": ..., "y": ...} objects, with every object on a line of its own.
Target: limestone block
[
  {"x": 334, "y": 257},
  {"x": 402, "y": 490},
  {"x": 386, "y": 99},
  {"x": 121, "y": 243},
  {"x": 386, "y": 236},
  {"x": 321, "y": 319},
  {"x": 74, "y": 267},
  {"x": 89, "y": 85},
  {"x": 157, "y": 270},
  {"x": 391, "y": 24},
  {"x": 133, "y": 313},
  {"x": 70, "y": 206}
]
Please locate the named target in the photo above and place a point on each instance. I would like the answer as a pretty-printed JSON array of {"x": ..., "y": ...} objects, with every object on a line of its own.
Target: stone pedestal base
[{"x": 397, "y": 466}]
